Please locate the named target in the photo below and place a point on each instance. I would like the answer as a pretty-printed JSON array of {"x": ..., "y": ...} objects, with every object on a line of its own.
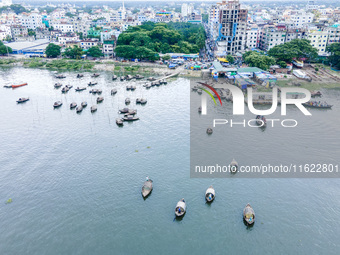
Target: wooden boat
[
  {"x": 99, "y": 91},
  {"x": 180, "y": 208},
  {"x": 100, "y": 99},
  {"x": 157, "y": 83},
  {"x": 80, "y": 89},
  {"x": 95, "y": 75},
  {"x": 128, "y": 87},
  {"x": 79, "y": 109},
  {"x": 261, "y": 121},
  {"x": 114, "y": 77},
  {"x": 80, "y": 75},
  {"x": 151, "y": 79},
  {"x": 133, "y": 88},
  {"x": 209, "y": 131},
  {"x": 65, "y": 89},
  {"x": 60, "y": 76},
  {"x": 57, "y": 104},
  {"x": 73, "y": 105},
  {"x": 18, "y": 85},
  {"x": 148, "y": 86},
  {"x": 127, "y": 110},
  {"x": 249, "y": 215},
  {"x": 93, "y": 108},
  {"x": 141, "y": 101},
  {"x": 147, "y": 187},
  {"x": 130, "y": 118},
  {"x": 93, "y": 91},
  {"x": 319, "y": 105},
  {"x": 139, "y": 77},
  {"x": 22, "y": 100},
  {"x": 122, "y": 78},
  {"x": 119, "y": 122},
  {"x": 233, "y": 166},
  {"x": 128, "y": 77},
  {"x": 69, "y": 86},
  {"x": 113, "y": 91},
  {"x": 92, "y": 83},
  {"x": 316, "y": 94},
  {"x": 127, "y": 100},
  {"x": 199, "y": 91},
  {"x": 84, "y": 104},
  {"x": 210, "y": 194},
  {"x": 58, "y": 85}
]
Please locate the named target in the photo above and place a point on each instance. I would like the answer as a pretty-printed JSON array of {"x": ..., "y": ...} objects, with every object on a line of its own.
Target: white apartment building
[
  {"x": 318, "y": 39},
  {"x": 187, "y": 9},
  {"x": 6, "y": 29},
  {"x": 108, "y": 50},
  {"x": 301, "y": 18},
  {"x": 252, "y": 38},
  {"x": 64, "y": 39},
  {"x": 88, "y": 43},
  {"x": 63, "y": 27},
  {"x": 333, "y": 34},
  {"x": 213, "y": 21},
  {"x": 270, "y": 37},
  {"x": 3, "y": 35},
  {"x": 31, "y": 21}
]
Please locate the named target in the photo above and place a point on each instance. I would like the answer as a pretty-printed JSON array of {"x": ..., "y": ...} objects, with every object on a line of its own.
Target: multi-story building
[
  {"x": 187, "y": 9},
  {"x": 88, "y": 43},
  {"x": 301, "y": 18},
  {"x": 272, "y": 36},
  {"x": 293, "y": 33},
  {"x": 232, "y": 28},
  {"x": 318, "y": 39},
  {"x": 333, "y": 34},
  {"x": 311, "y": 5},
  {"x": 252, "y": 35},
  {"x": 18, "y": 31},
  {"x": 31, "y": 20},
  {"x": 63, "y": 39},
  {"x": 64, "y": 27}
]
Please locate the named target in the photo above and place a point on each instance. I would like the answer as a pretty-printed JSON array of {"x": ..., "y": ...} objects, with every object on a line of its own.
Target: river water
[{"x": 75, "y": 179}]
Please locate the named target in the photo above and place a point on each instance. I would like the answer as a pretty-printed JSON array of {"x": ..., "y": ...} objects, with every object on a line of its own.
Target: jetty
[{"x": 164, "y": 78}]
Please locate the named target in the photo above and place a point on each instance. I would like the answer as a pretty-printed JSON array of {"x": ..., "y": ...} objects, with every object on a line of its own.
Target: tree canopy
[
  {"x": 295, "y": 49},
  {"x": 95, "y": 52},
  {"x": 74, "y": 52},
  {"x": 334, "y": 58},
  {"x": 149, "y": 39},
  {"x": 53, "y": 50},
  {"x": 4, "y": 49},
  {"x": 256, "y": 59}
]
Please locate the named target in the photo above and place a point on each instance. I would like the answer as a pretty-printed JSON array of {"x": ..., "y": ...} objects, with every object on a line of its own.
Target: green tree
[
  {"x": 282, "y": 64},
  {"x": 255, "y": 59},
  {"x": 31, "y": 32},
  {"x": 53, "y": 50},
  {"x": 75, "y": 52},
  {"x": 95, "y": 52},
  {"x": 166, "y": 57},
  {"x": 297, "y": 48},
  {"x": 230, "y": 59},
  {"x": 334, "y": 58},
  {"x": 4, "y": 49},
  {"x": 205, "y": 18}
]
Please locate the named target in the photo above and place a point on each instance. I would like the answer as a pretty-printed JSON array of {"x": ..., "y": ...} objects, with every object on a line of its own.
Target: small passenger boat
[
  {"x": 315, "y": 104},
  {"x": 84, "y": 104},
  {"x": 114, "y": 77},
  {"x": 100, "y": 99},
  {"x": 19, "y": 85},
  {"x": 93, "y": 108},
  {"x": 79, "y": 109},
  {"x": 130, "y": 118},
  {"x": 209, "y": 131},
  {"x": 95, "y": 75},
  {"x": 147, "y": 187},
  {"x": 233, "y": 166},
  {"x": 80, "y": 75},
  {"x": 22, "y": 100},
  {"x": 57, "y": 104},
  {"x": 80, "y": 89},
  {"x": 249, "y": 215},
  {"x": 73, "y": 105},
  {"x": 119, "y": 122},
  {"x": 210, "y": 194},
  {"x": 113, "y": 92},
  {"x": 180, "y": 208}
]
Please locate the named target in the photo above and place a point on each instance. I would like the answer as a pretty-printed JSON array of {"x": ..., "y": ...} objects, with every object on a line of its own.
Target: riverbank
[{"x": 104, "y": 65}]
